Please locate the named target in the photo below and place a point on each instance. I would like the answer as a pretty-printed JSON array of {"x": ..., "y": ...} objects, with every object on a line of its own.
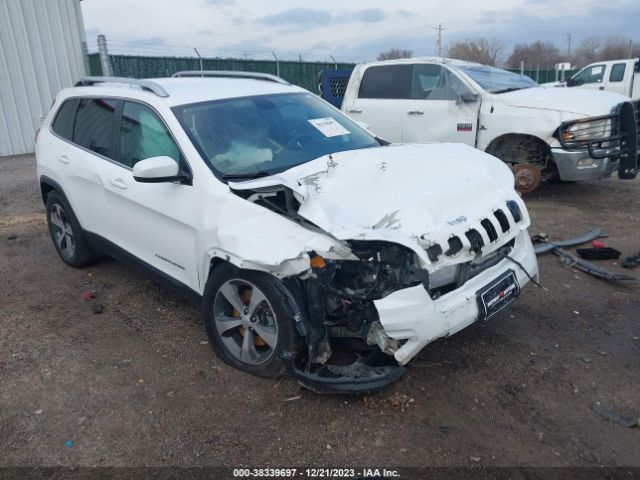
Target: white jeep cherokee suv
[{"x": 315, "y": 248}]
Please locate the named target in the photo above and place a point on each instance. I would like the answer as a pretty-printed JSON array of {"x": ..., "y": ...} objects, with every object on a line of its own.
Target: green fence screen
[{"x": 304, "y": 74}]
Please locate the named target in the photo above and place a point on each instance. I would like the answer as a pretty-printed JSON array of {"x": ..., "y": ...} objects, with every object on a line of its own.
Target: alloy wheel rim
[
  {"x": 245, "y": 322},
  {"x": 62, "y": 231}
]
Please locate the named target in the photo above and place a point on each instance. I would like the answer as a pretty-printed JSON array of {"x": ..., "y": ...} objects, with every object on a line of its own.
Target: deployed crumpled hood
[
  {"x": 397, "y": 193},
  {"x": 574, "y": 100}
]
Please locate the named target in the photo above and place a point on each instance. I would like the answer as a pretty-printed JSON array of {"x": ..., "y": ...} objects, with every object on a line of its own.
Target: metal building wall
[{"x": 41, "y": 52}]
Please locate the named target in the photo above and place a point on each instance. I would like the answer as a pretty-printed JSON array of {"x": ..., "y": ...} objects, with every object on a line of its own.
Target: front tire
[
  {"x": 67, "y": 235},
  {"x": 248, "y": 317}
]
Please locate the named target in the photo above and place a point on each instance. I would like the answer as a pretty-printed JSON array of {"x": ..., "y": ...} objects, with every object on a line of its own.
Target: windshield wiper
[
  {"x": 247, "y": 176},
  {"x": 510, "y": 89}
]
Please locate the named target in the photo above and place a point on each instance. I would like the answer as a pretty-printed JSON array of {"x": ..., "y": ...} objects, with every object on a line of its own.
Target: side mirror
[
  {"x": 468, "y": 97},
  {"x": 156, "y": 170},
  {"x": 572, "y": 83}
]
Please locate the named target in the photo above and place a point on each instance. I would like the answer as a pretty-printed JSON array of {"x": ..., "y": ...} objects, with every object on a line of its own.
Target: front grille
[{"x": 472, "y": 239}]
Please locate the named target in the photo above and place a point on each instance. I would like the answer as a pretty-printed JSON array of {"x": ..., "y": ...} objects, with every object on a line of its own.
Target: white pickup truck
[
  {"x": 552, "y": 133},
  {"x": 618, "y": 76}
]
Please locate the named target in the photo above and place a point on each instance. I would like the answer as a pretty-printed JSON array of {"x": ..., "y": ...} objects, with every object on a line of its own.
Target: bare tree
[
  {"x": 538, "y": 54},
  {"x": 395, "y": 53},
  {"x": 588, "y": 51},
  {"x": 482, "y": 50},
  {"x": 615, "y": 47}
]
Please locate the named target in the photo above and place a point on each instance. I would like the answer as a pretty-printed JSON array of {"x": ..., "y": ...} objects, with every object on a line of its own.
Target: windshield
[
  {"x": 497, "y": 80},
  {"x": 266, "y": 134}
]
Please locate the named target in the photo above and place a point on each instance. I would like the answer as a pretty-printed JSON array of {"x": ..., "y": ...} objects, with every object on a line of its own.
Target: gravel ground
[{"x": 138, "y": 385}]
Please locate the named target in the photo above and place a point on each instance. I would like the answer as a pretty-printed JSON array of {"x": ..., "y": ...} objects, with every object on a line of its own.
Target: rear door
[
  {"x": 619, "y": 78},
  {"x": 155, "y": 222},
  {"x": 82, "y": 145},
  {"x": 382, "y": 99},
  {"x": 441, "y": 109}
]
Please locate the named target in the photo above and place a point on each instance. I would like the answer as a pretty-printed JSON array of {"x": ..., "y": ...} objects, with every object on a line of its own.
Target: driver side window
[
  {"x": 592, "y": 74},
  {"x": 143, "y": 135},
  {"x": 434, "y": 82}
]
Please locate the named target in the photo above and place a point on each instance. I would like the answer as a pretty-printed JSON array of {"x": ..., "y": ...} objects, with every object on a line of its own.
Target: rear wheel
[
  {"x": 249, "y": 320},
  {"x": 66, "y": 233}
]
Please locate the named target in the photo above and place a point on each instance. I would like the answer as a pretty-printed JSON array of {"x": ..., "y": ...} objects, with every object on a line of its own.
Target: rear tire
[
  {"x": 68, "y": 237},
  {"x": 249, "y": 318}
]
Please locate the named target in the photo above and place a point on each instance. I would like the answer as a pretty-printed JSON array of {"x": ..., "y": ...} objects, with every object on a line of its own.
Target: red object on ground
[
  {"x": 89, "y": 294},
  {"x": 597, "y": 244}
]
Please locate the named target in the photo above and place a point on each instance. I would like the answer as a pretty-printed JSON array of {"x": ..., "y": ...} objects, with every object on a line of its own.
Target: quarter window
[
  {"x": 617, "y": 72},
  {"x": 143, "y": 135},
  {"x": 65, "y": 118},
  {"x": 94, "y": 125},
  {"x": 386, "y": 81}
]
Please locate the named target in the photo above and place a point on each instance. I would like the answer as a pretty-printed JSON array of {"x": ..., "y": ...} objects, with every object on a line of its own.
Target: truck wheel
[
  {"x": 249, "y": 320},
  {"x": 66, "y": 233}
]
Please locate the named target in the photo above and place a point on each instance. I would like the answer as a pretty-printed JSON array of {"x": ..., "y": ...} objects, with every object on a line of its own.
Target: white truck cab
[
  {"x": 565, "y": 134},
  {"x": 618, "y": 76}
]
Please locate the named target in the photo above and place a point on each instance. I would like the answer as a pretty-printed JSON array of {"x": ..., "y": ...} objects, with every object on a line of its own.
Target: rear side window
[
  {"x": 143, "y": 135},
  {"x": 65, "y": 119},
  {"x": 386, "y": 81},
  {"x": 94, "y": 125},
  {"x": 617, "y": 72}
]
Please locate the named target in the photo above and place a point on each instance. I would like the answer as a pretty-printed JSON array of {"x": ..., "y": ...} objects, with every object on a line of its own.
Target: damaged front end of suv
[{"x": 403, "y": 269}]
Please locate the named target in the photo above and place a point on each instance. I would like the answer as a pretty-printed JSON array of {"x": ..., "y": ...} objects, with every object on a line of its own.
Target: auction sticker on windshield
[{"x": 329, "y": 127}]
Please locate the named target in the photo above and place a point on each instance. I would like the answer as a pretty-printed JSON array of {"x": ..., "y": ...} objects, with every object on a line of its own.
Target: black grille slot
[
  {"x": 491, "y": 230},
  {"x": 455, "y": 245},
  {"x": 514, "y": 208},
  {"x": 433, "y": 252},
  {"x": 475, "y": 239},
  {"x": 502, "y": 220}
]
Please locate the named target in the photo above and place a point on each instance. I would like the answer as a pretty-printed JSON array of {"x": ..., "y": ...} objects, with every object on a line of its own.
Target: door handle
[
  {"x": 600, "y": 88},
  {"x": 355, "y": 110},
  {"x": 118, "y": 182},
  {"x": 415, "y": 112},
  {"x": 64, "y": 159}
]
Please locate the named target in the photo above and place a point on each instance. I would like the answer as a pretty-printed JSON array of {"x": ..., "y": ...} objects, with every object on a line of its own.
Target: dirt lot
[{"x": 139, "y": 385}]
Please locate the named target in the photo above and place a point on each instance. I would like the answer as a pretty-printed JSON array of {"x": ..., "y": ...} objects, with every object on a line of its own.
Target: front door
[
  {"x": 441, "y": 109},
  {"x": 155, "y": 222}
]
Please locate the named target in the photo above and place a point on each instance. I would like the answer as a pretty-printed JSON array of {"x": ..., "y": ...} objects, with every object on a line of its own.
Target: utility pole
[
  {"x": 439, "y": 28},
  {"x": 630, "y": 48},
  {"x": 199, "y": 57},
  {"x": 568, "y": 46},
  {"x": 103, "y": 51}
]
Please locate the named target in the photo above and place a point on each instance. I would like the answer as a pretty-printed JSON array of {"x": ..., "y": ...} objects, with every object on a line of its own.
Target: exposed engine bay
[{"x": 343, "y": 334}]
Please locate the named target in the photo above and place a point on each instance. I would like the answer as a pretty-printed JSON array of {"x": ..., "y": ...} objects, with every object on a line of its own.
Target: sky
[{"x": 347, "y": 31}]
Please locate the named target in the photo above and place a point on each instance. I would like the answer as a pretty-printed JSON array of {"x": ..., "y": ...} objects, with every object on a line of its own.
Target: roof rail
[
  {"x": 231, "y": 74},
  {"x": 147, "y": 85}
]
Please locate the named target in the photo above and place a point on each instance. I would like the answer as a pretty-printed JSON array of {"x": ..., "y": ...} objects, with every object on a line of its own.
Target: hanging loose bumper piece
[{"x": 570, "y": 260}]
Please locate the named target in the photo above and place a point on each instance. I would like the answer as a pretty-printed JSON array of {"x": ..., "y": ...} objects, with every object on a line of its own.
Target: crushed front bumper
[
  {"x": 578, "y": 165},
  {"x": 412, "y": 316}
]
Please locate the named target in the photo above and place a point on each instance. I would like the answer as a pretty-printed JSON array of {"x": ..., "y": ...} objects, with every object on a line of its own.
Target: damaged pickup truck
[{"x": 315, "y": 248}]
